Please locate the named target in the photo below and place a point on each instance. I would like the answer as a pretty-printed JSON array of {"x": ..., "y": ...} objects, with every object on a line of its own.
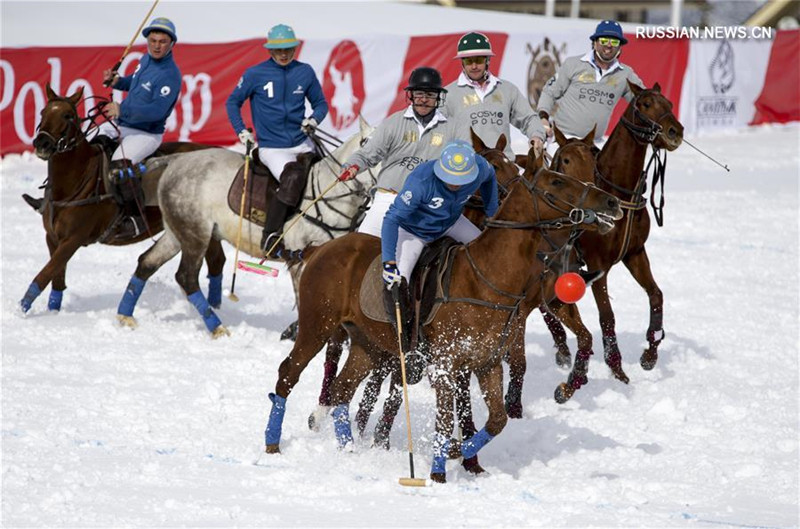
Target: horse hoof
[
  {"x": 472, "y": 466},
  {"x": 437, "y": 477},
  {"x": 381, "y": 437},
  {"x": 317, "y": 416},
  {"x": 648, "y": 360},
  {"x": 563, "y": 393},
  {"x": 620, "y": 375},
  {"x": 127, "y": 321},
  {"x": 273, "y": 449},
  {"x": 564, "y": 360},
  {"x": 220, "y": 332},
  {"x": 514, "y": 410}
]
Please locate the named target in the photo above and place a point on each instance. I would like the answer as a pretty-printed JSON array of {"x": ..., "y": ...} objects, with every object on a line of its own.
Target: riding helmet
[
  {"x": 456, "y": 165},
  {"x": 474, "y": 45},
  {"x": 425, "y": 78},
  {"x": 164, "y": 25},
  {"x": 609, "y": 28},
  {"x": 281, "y": 37}
]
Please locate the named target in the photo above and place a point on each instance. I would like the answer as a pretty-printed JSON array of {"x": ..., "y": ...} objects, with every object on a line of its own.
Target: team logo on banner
[
  {"x": 719, "y": 109},
  {"x": 343, "y": 84},
  {"x": 545, "y": 60}
]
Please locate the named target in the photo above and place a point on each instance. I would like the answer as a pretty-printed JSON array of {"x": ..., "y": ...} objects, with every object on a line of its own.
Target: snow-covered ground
[{"x": 162, "y": 426}]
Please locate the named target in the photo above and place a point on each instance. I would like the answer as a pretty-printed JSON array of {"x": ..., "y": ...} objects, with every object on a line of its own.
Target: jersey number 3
[{"x": 268, "y": 89}]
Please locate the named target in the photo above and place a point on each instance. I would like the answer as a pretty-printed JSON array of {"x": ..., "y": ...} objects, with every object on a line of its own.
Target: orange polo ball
[{"x": 570, "y": 287}]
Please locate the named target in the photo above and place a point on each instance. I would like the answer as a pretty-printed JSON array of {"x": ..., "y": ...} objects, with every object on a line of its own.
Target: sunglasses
[
  {"x": 473, "y": 60},
  {"x": 608, "y": 41}
]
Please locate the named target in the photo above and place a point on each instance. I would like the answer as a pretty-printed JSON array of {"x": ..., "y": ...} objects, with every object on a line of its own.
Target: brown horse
[
  {"x": 490, "y": 279},
  {"x": 78, "y": 209},
  {"x": 576, "y": 157},
  {"x": 648, "y": 120}
]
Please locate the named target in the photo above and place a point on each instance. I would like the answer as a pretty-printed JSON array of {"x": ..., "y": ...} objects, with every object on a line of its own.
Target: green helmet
[{"x": 474, "y": 45}]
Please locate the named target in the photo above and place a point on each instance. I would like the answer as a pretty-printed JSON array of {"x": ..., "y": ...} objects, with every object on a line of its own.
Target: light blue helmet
[
  {"x": 281, "y": 37},
  {"x": 609, "y": 28},
  {"x": 162, "y": 24},
  {"x": 456, "y": 166}
]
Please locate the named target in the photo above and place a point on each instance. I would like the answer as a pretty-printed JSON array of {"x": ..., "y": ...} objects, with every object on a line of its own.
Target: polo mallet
[
  {"x": 247, "y": 157},
  {"x": 130, "y": 45},
  {"x": 410, "y": 481},
  {"x": 297, "y": 219}
]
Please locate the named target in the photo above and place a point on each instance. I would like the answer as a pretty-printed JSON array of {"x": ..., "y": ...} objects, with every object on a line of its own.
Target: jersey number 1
[{"x": 268, "y": 89}]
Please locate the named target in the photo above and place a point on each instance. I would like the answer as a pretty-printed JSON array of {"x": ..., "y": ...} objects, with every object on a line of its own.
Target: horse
[
  {"x": 490, "y": 279},
  {"x": 192, "y": 195},
  {"x": 648, "y": 120},
  {"x": 575, "y": 157},
  {"x": 78, "y": 210}
]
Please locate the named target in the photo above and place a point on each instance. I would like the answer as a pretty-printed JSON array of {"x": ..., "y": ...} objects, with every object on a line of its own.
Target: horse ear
[
  {"x": 362, "y": 124},
  {"x": 521, "y": 160},
  {"x": 533, "y": 163},
  {"x": 635, "y": 88},
  {"x": 560, "y": 138},
  {"x": 477, "y": 142},
  {"x": 501, "y": 143},
  {"x": 589, "y": 138},
  {"x": 50, "y": 93},
  {"x": 657, "y": 88},
  {"x": 76, "y": 97}
]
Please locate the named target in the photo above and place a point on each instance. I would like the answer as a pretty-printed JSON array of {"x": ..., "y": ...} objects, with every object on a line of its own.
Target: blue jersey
[
  {"x": 152, "y": 93},
  {"x": 277, "y": 97},
  {"x": 427, "y": 208}
]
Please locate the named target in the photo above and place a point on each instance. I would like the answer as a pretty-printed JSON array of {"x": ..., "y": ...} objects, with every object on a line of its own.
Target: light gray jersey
[
  {"x": 580, "y": 95},
  {"x": 400, "y": 143},
  {"x": 490, "y": 112}
]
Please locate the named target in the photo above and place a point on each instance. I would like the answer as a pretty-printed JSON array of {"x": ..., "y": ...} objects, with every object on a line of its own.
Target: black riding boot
[
  {"x": 415, "y": 362},
  {"x": 277, "y": 212},
  {"x": 126, "y": 184},
  {"x": 108, "y": 144}
]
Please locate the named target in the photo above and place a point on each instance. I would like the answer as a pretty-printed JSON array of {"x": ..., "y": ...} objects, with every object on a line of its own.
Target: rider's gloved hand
[
  {"x": 247, "y": 137},
  {"x": 349, "y": 173},
  {"x": 309, "y": 125},
  {"x": 391, "y": 275}
]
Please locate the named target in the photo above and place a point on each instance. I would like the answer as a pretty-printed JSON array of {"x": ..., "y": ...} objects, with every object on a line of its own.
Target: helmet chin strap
[{"x": 612, "y": 59}]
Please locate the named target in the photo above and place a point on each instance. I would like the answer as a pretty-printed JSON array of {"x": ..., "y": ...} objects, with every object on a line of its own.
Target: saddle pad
[
  {"x": 371, "y": 295},
  {"x": 259, "y": 183}
]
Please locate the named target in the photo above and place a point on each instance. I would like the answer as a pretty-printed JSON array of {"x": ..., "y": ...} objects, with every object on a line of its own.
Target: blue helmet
[
  {"x": 281, "y": 37},
  {"x": 162, "y": 24},
  {"x": 456, "y": 165},
  {"x": 609, "y": 28}
]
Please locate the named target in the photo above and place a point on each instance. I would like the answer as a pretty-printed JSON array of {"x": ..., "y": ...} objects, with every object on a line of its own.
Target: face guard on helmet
[{"x": 426, "y": 79}]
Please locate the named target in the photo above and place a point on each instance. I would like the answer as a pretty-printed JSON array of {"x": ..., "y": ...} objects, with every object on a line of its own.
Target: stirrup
[
  {"x": 268, "y": 240},
  {"x": 130, "y": 227}
]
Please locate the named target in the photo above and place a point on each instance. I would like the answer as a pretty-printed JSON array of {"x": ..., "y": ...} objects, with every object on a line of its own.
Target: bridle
[{"x": 74, "y": 132}]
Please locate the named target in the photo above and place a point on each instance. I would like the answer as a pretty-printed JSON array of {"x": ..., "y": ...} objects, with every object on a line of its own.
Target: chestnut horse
[
  {"x": 577, "y": 158},
  {"x": 78, "y": 208},
  {"x": 490, "y": 279},
  {"x": 648, "y": 120}
]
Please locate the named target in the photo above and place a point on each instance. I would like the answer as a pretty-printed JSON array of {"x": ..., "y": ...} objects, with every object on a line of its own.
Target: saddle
[
  {"x": 430, "y": 282},
  {"x": 262, "y": 186}
]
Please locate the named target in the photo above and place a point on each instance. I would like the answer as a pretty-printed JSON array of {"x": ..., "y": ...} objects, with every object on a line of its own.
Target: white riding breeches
[
  {"x": 276, "y": 159},
  {"x": 409, "y": 246},
  {"x": 135, "y": 145},
  {"x": 373, "y": 221}
]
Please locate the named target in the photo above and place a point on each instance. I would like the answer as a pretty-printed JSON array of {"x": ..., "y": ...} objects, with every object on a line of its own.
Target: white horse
[{"x": 192, "y": 195}]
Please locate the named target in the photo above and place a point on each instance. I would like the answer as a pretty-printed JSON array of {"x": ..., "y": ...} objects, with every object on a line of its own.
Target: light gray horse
[{"x": 192, "y": 195}]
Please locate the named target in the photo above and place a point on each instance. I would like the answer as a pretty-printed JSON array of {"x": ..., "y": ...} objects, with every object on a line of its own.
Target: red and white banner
[{"x": 713, "y": 83}]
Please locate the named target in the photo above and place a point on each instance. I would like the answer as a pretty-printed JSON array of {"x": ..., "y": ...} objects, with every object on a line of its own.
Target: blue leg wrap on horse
[
  {"x": 201, "y": 304},
  {"x": 341, "y": 424},
  {"x": 30, "y": 296},
  {"x": 54, "y": 303},
  {"x": 471, "y": 446},
  {"x": 441, "y": 445},
  {"x": 131, "y": 296},
  {"x": 272, "y": 435},
  {"x": 215, "y": 291}
]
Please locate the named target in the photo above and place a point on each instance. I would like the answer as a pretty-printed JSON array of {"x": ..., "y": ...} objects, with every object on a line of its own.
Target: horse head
[
  {"x": 505, "y": 169},
  {"x": 576, "y": 156},
  {"x": 59, "y": 129},
  {"x": 650, "y": 118},
  {"x": 569, "y": 199}
]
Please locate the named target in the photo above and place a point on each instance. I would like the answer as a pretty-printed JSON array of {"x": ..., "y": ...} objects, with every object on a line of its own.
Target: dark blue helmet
[{"x": 609, "y": 28}]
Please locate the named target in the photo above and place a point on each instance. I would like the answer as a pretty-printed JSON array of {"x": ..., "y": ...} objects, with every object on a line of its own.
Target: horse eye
[
  {"x": 646, "y": 104},
  {"x": 566, "y": 161}
]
